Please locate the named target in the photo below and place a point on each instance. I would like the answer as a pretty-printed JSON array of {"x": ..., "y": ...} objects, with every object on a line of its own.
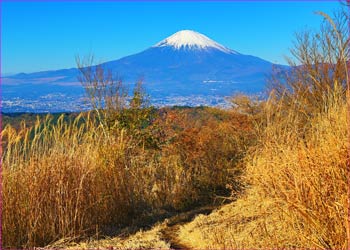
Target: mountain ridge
[{"x": 186, "y": 66}]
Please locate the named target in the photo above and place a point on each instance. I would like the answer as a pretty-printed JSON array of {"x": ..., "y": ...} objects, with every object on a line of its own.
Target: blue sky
[{"x": 37, "y": 36}]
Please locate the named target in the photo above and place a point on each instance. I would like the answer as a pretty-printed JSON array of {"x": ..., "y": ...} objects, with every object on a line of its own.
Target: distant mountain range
[{"x": 187, "y": 68}]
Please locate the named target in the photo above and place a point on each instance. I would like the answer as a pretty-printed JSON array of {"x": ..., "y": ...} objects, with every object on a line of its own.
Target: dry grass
[
  {"x": 57, "y": 182},
  {"x": 296, "y": 194},
  {"x": 73, "y": 179},
  {"x": 298, "y": 186},
  {"x": 305, "y": 173},
  {"x": 67, "y": 181}
]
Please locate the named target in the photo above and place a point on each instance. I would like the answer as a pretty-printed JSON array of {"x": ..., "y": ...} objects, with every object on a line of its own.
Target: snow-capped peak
[{"x": 191, "y": 39}]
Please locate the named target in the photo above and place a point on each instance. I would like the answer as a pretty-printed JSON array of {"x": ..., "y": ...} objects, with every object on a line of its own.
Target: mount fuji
[{"x": 186, "y": 68}]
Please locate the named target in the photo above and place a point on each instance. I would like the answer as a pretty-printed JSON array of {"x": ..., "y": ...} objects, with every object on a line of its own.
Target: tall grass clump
[
  {"x": 58, "y": 181},
  {"x": 300, "y": 166},
  {"x": 303, "y": 172}
]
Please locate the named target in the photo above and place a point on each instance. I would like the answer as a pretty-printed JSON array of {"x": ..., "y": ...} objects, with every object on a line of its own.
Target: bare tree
[
  {"x": 105, "y": 92},
  {"x": 114, "y": 107},
  {"x": 320, "y": 64}
]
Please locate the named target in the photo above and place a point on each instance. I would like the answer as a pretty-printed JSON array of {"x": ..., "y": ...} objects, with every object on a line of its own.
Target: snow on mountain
[{"x": 192, "y": 40}]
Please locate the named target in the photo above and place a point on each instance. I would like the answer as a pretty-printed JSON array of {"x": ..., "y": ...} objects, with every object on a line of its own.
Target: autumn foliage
[{"x": 70, "y": 177}]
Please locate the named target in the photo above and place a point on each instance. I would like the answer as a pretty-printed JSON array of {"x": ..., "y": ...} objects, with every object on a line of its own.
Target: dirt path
[
  {"x": 170, "y": 235},
  {"x": 173, "y": 224},
  {"x": 164, "y": 235}
]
